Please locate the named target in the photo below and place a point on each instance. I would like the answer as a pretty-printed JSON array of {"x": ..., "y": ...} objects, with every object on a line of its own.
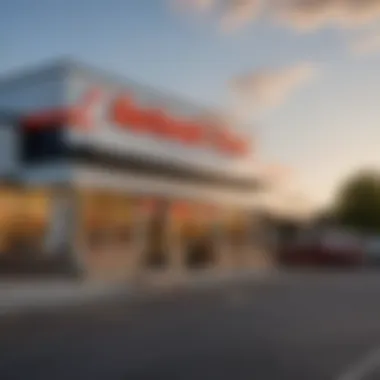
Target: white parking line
[{"x": 364, "y": 367}]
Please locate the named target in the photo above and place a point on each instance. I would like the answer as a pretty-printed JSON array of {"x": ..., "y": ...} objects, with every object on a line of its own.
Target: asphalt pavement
[{"x": 286, "y": 326}]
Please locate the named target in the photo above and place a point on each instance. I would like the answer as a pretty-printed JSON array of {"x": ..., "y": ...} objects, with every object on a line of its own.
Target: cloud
[
  {"x": 299, "y": 14},
  {"x": 232, "y": 13},
  {"x": 237, "y": 13},
  {"x": 366, "y": 44},
  {"x": 311, "y": 14},
  {"x": 269, "y": 88},
  {"x": 201, "y": 5}
]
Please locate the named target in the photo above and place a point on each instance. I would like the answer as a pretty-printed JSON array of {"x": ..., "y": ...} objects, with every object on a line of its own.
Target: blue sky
[{"x": 323, "y": 130}]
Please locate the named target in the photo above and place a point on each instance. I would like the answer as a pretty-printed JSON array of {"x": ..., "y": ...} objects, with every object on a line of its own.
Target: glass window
[
  {"x": 107, "y": 219},
  {"x": 42, "y": 144},
  {"x": 24, "y": 217}
]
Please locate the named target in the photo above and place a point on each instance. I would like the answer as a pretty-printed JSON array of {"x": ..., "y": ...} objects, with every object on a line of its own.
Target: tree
[{"x": 358, "y": 202}]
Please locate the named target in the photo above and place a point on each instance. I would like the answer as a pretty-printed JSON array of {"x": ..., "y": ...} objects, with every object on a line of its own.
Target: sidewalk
[
  {"x": 23, "y": 296},
  {"x": 18, "y": 297}
]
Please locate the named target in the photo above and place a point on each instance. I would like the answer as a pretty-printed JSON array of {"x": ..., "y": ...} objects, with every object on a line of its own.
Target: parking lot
[{"x": 287, "y": 326}]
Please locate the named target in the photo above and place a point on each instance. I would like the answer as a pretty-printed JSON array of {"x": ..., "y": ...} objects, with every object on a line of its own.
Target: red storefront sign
[
  {"x": 148, "y": 205},
  {"x": 80, "y": 115},
  {"x": 187, "y": 210},
  {"x": 181, "y": 210},
  {"x": 126, "y": 114}
]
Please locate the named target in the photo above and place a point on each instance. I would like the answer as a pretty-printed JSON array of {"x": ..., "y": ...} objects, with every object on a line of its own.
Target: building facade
[{"x": 112, "y": 178}]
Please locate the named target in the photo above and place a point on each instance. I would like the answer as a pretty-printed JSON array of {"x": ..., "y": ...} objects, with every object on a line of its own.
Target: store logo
[
  {"x": 83, "y": 116},
  {"x": 80, "y": 116},
  {"x": 126, "y": 114}
]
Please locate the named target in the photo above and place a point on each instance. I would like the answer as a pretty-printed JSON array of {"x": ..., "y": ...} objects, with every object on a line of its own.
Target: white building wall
[
  {"x": 64, "y": 84},
  {"x": 24, "y": 93},
  {"x": 109, "y": 137},
  {"x": 150, "y": 186}
]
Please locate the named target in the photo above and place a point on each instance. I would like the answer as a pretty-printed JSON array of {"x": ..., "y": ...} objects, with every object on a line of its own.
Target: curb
[{"x": 72, "y": 294}]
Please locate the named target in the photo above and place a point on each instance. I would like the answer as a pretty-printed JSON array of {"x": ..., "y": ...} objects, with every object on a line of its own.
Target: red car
[{"x": 331, "y": 248}]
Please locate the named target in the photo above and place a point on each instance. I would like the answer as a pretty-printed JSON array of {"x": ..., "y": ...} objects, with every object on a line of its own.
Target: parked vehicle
[{"x": 324, "y": 249}]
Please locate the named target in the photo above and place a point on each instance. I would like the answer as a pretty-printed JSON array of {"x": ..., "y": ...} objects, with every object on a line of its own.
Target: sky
[{"x": 301, "y": 76}]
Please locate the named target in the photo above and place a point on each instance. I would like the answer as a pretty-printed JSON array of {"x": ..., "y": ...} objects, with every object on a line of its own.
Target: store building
[{"x": 112, "y": 177}]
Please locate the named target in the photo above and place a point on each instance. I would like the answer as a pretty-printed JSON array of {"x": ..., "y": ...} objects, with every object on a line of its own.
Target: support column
[
  {"x": 139, "y": 240},
  {"x": 62, "y": 236},
  {"x": 222, "y": 246},
  {"x": 173, "y": 243},
  {"x": 262, "y": 249},
  {"x": 248, "y": 244}
]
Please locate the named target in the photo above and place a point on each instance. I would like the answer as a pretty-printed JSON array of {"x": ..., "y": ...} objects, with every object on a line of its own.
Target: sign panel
[
  {"x": 129, "y": 116},
  {"x": 109, "y": 115}
]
